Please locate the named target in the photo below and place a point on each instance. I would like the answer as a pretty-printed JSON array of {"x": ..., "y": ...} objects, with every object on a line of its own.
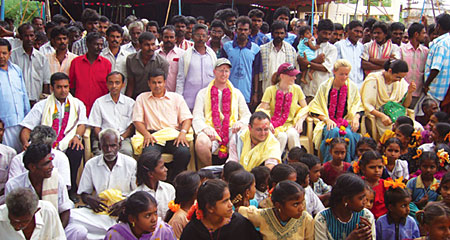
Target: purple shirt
[
  {"x": 122, "y": 231},
  {"x": 387, "y": 229}
]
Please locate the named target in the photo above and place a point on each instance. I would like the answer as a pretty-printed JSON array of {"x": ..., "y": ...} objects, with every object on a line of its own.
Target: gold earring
[{"x": 133, "y": 224}]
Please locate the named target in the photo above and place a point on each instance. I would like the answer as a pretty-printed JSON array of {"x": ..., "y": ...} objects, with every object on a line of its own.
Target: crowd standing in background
[{"x": 224, "y": 129}]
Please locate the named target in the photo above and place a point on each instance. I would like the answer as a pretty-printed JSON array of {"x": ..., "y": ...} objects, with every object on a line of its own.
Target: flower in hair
[
  {"x": 416, "y": 136},
  {"x": 237, "y": 199},
  {"x": 198, "y": 212},
  {"x": 367, "y": 135},
  {"x": 418, "y": 154},
  {"x": 328, "y": 141},
  {"x": 443, "y": 157},
  {"x": 394, "y": 183},
  {"x": 355, "y": 166},
  {"x": 173, "y": 206},
  {"x": 347, "y": 140},
  {"x": 385, "y": 160},
  {"x": 447, "y": 137},
  {"x": 342, "y": 130}
]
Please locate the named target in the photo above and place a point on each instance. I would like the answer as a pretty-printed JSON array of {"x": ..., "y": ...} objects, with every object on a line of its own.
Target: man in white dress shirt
[
  {"x": 6, "y": 156},
  {"x": 116, "y": 53},
  {"x": 114, "y": 110},
  {"x": 25, "y": 217}
]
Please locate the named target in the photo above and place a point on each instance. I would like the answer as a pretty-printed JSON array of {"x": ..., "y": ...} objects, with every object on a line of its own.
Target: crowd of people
[{"x": 195, "y": 128}]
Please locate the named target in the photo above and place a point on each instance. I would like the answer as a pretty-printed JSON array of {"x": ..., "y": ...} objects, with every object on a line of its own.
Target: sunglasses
[{"x": 288, "y": 69}]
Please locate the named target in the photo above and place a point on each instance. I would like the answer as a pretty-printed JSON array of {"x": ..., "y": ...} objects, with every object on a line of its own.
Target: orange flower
[
  {"x": 434, "y": 186},
  {"x": 173, "y": 206},
  {"x": 355, "y": 166},
  {"x": 394, "y": 183},
  {"x": 367, "y": 135},
  {"x": 347, "y": 139},
  {"x": 385, "y": 160},
  {"x": 443, "y": 157},
  {"x": 418, "y": 154},
  {"x": 328, "y": 141},
  {"x": 447, "y": 137}
]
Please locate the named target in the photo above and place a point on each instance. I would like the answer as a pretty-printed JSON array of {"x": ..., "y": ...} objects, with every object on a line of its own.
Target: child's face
[
  {"x": 433, "y": 120},
  {"x": 400, "y": 209},
  {"x": 293, "y": 208},
  {"x": 445, "y": 192},
  {"x": 392, "y": 152},
  {"x": 436, "y": 136},
  {"x": 357, "y": 202},
  {"x": 439, "y": 228},
  {"x": 146, "y": 221},
  {"x": 314, "y": 173},
  {"x": 428, "y": 168},
  {"x": 370, "y": 198},
  {"x": 338, "y": 152},
  {"x": 262, "y": 187},
  {"x": 403, "y": 138},
  {"x": 252, "y": 191},
  {"x": 373, "y": 170},
  {"x": 362, "y": 149},
  {"x": 307, "y": 34}
]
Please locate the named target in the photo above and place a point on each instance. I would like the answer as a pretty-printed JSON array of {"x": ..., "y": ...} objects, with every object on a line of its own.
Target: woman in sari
[
  {"x": 337, "y": 104},
  {"x": 382, "y": 93},
  {"x": 285, "y": 102}
]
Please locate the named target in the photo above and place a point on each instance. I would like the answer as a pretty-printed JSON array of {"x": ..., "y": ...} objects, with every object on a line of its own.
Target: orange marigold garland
[
  {"x": 173, "y": 206},
  {"x": 198, "y": 212},
  {"x": 443, "y": 157}
]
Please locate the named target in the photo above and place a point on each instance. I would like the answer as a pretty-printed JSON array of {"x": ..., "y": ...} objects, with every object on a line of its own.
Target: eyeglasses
[{"x": 288, "y": 69}]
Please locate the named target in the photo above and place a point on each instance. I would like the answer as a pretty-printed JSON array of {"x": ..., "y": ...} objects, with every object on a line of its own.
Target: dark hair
[
  {"x": 282, "y": 11},
  {"x": 367, "y": 140},
  {"x": 157, "y": 72},
  {"x": 443, "y": 20},
  {"x": 225, "y": 13},
  {"x": 35, "y": 153},
  {"x": 369, "y": 23},
  {"x": 191, "y": 20},
  {"x": 89, "y": 15},
  {"x": 428, "y": 156},
  {"x": 286, "y": 191},
  {"x": 243, "y": 20},
  {"x": 392, "y": 140},
  {"x": 201, "y": 18},
  {"x": 41, "y": 37},
  {"x": 258, "y": 115},
  {"x": 168, "y": 27},
  {"x": 261, "y": 174},
  {"x": 397, "y": 26},
  {"x": 279, "y": 173},
  {"x": 256, "y": 13},
  {"x": 114, "y": 28},
  {"x": 445, "y": 179},
  {"x": 296, "y": 153},
  {"x": 279, "y": 25},
  {"x": 407, "y": 131},
  {"x": 397, "y": 66},
  {"x": 443, "y": 130},
  {"x": 381, "y": 25},
  {"x": 58, "y": 19},
  {"x": 238, "y": 183},
  {"x": 432, "y": 211},
  {"x": 347, "y": 185},
  {"x": 115, "y": 73},
  {"x": 59, "y": 31},
  {"x": 4, "y": 42},
  {"x": 325, "y": 25},
  {"x": 431, "y": 28},
  {"x": 229, "y": 168},
  {"x": 415, "y": 28},
  {"x": 404, "y": 120},
  {"x": 146, "y": 36},
  {"x": 209, "y": 193},
  {"x": 147, "y": 162},
  {"x": 138, "y": 202},
  {"x": 302, "y": 172},
  {"x": 153, "y": 23},
  {"x": 367, "y": 157},
  {"x": 186, "y": 185},
  {"x": 73, "y": 29},
  {"x": 36, "y": 18},
  {"x": 353, "y": 24},
  {"x": 49, "y": 26},
  {"x": 199, "y": 26},
  {"x": 93, "y": 36},
  {"x": 58, "y": 76},
  {"x": 22, "y": 28},
  {"x": 104, "y": 19},
  {"x": 338, "y": 26},
  {"x": 310, "y": 160},
  {"x": 441, "y": 116},
  {"x": 217, "y": 23},
  {"x": 206, "y": 174},
  {"x": 179, "y": 19},
  {"x": 304, "y": 29},
  {"x": 394, "y": 195},
  {"x": 336, "y": 141},
  {"x": 264, "y": 27}
]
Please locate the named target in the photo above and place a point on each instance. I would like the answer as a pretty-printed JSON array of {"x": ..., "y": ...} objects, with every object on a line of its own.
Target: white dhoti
[{"x": 84, "y": 220}]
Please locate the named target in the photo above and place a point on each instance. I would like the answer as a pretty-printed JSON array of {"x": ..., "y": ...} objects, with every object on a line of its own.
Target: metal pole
[
  {"x": 2, "y": 11},
  {"x": 232, "y": 4},
  {"x": 356, "y": 8},
  {"x": 312, "y": 17},
  {"x": 179, "y": 7}
]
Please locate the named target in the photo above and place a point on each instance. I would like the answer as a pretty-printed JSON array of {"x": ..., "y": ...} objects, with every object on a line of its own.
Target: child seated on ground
[
  {"x": 370, "y": 196},
  {"x": 322, "y": 189},
  {"x": 307, "y": 46},
  {"x": 435, "y": 221},
  {"x": 261, "y": 174},
  {"x": 395, "y": 167},
  {"x": 400, "y": 120},
  {"x": 396, "y": 224},
  {"x": 313, "y": 203},
  {"x": 439, "y": 134},
  {"x": 278, "y": 173},
  {"x": 337, "y": 166},
  {"x": 437, "y": 117},
  {"x": 410, "y": 140}
]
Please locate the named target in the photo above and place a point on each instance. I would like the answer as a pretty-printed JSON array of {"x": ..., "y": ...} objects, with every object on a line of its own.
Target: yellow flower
[
  {"x": 434, "y": 186},
  {"x": 385, "y": 160},
  {"x": 328, "y": 141},
  {"x": 394, "y": 183}
]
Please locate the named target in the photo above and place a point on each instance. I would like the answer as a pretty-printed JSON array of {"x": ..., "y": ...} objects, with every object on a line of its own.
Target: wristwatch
[
  {"x": 78, "y": 136},
  {"x": 308, "y": 66}
]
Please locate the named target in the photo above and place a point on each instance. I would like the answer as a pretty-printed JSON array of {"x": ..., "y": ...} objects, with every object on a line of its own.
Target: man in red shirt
[{"x": 88, "y": 72}]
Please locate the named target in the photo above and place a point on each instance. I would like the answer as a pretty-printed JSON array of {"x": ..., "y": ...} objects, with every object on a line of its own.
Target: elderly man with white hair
[
  {"x": 135, "y": 29},
  {"x": 110, "y": 170},
  {"x": 25, "y": 217},
  {"x": 45, "y": 135}
]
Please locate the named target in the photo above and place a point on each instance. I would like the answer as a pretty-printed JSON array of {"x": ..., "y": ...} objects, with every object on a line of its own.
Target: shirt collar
[
  {"x": 235, "y": 43},
  {"x": 165, "y": 95},
  {"x": 390, "y": 220},
  {"x": 109, "y": 98},
  {"x": 102, "y": 162},
  {"x": 22, "y": 50},
  {"x": 99, "y": 59},
  {"x": 283, "y": 47},
  {"x": 409, "y": 46},
  {"x": 419, "y": 182}
]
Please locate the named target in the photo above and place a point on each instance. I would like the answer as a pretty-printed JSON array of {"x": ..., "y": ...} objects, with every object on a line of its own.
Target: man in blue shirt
[
  {"x": 256, "y": 35},
  {"x": 246, "y": 60},
  {"x": 283, "y": 14},
  {"x": 13, "y": 97}
]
